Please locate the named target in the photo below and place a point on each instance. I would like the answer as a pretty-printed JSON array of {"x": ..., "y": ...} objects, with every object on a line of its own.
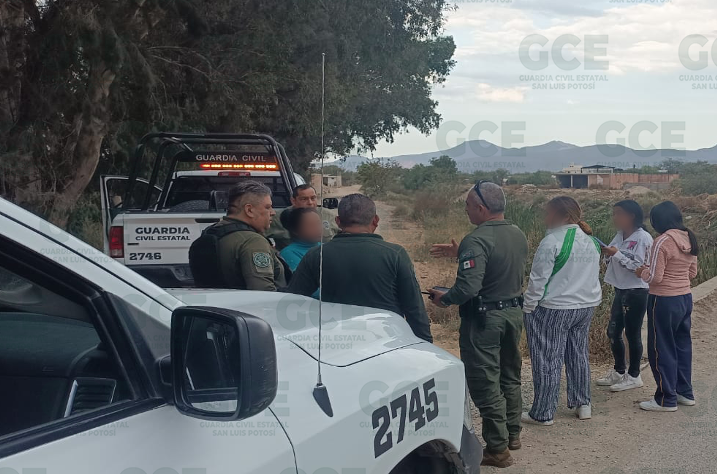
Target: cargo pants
[{"x": 490, "y": 350}]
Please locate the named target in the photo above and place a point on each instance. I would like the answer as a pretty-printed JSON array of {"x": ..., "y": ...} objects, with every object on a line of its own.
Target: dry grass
[{"x": 442, "y": 218}]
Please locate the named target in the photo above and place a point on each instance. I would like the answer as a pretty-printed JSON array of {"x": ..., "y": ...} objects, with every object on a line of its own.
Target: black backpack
[{"x": 204, "y": 255}]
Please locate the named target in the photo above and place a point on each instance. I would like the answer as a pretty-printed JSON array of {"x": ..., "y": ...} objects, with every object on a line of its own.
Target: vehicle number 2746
[
  {"x": 145, "y": 256},
  {"x": 407, "y": 406}
]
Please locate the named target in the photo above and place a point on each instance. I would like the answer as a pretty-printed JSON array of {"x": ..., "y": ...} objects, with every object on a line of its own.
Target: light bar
[{"x": 235, "y": 166}]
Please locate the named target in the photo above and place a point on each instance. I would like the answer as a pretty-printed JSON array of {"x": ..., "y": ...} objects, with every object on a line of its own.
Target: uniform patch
[
  {"x": 326, "y": 225},
  {"x": 467, "y": 254},
  {"x": 469, "y": 264},
  {"x": 261, "y": 259}
]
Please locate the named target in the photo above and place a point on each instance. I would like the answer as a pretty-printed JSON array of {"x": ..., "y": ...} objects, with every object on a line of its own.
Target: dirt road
[{"x": 620, "y": 438}]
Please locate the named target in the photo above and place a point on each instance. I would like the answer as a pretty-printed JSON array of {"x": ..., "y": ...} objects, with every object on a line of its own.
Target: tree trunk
[
  {"x": 12, "y": 15},
  {"x": 86, "y": 141}
]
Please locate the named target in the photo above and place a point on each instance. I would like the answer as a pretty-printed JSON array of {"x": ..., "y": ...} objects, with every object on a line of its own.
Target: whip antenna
[{"x": 321, "y": 394}]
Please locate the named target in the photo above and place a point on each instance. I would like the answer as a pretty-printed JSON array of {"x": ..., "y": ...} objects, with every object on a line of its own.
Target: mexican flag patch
[{"x": 469, "y": 264}]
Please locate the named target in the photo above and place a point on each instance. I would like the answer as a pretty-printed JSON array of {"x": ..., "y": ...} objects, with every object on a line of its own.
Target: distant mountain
[{"x": 552, "y": 156}]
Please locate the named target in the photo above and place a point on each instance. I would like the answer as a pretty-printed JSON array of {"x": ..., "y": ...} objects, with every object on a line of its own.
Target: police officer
[
  {"x": 488, "y": 287},
  {"x": 303, "y": 195},
  {"x": 247, "y": 259},
  {"x": 362, "y": 269}
]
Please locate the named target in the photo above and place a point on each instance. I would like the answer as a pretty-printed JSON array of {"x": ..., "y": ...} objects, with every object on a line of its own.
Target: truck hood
[{"x": 349, "y": 334}]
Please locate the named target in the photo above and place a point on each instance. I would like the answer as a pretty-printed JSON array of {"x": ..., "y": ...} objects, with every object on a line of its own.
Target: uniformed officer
[
  {"x": 246, "y": 258},
  {"x": 488, "y": 287},
  {"x": 304, "y": 195},
  {"x": 362, "y": 269}
]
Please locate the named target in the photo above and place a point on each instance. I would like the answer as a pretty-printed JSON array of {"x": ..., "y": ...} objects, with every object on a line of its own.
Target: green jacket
[
  {"x": 248, "y": 261},
  {"x": 491, "y": 264},
  {"x": 282, "y": 238},
  {"x": 365, "y": 270}
]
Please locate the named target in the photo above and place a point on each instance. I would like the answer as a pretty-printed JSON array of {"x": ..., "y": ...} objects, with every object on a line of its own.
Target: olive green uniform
[
  {"x": 248, "y": 261},
  {"x": 365, "y": 270},
  {"x": 282, "y": 238},
  {"x": 491, "y": 264}
]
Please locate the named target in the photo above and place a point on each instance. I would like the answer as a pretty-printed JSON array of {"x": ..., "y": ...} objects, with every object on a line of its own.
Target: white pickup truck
[
  {"x": 149, "y": 225},
  {"x": 103, "y": 371}
]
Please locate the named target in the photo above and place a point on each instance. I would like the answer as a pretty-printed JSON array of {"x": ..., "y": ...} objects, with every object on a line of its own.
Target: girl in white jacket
[{"x": 562, "y": 294}]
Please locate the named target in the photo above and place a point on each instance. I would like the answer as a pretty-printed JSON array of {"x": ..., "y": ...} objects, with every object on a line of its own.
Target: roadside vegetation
[{"x": 436, "y": 209}]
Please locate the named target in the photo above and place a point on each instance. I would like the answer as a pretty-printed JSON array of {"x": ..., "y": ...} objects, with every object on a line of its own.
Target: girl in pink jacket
[{"x": 671, "y": 265}]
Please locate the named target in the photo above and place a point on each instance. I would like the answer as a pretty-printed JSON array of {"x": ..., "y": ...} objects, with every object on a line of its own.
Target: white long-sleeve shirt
[
  {"x": 631, "y": 254},
  {"x": 565, "y": 272}
]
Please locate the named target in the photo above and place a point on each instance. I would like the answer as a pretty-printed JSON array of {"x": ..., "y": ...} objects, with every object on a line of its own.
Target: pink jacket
[{"x": 671, "y": 265}]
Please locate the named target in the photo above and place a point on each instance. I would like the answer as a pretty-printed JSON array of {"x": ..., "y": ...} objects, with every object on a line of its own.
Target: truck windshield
[{"x": 199, "y": 188}]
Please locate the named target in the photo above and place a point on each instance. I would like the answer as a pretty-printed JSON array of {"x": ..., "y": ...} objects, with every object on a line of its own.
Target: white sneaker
[
  {"x": 527, "y": 419},
  {"x": 685, "y": 401},
  {"x": 611, "y": 378},
  {"x": 627, "y": 383},
  {"x": 652, "y": 405},
  {"x": 584, "y": 412}
]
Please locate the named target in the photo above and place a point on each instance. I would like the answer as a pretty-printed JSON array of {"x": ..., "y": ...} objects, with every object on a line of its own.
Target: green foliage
[
  {"x": 538, "y": 178},
  {"x": 697, "y": 178},
  {"x": 445, "y": 164},
  {"x": 88, "y": 78},
  {"x": 377, "y": 176},
  {"x": 440, "y": 170},
  {"x": 496, "y": 176}
]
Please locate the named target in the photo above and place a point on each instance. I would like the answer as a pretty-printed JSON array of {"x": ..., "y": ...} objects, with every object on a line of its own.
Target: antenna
[{"x": 321, "y": 394}]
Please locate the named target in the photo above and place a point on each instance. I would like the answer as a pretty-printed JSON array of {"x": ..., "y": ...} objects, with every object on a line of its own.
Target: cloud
[
  {"x": 641, "y": 37},
  {"x": 488, "y": 93}
]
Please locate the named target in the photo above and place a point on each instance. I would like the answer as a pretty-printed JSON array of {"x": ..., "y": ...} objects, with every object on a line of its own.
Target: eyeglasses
[{"x": 477, "y": 190}]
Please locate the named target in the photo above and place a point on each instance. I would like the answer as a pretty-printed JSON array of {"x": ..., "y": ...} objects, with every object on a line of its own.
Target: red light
[
  {"x": 234, "y": 166},
  {"x": 117, "y": 242}
]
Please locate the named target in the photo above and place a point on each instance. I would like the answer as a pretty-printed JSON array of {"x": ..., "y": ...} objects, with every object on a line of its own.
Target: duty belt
[{"x": 499, "y": 305}]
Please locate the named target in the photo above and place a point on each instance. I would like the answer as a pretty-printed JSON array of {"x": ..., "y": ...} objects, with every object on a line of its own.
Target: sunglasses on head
[{"x": 477, "y": 190}]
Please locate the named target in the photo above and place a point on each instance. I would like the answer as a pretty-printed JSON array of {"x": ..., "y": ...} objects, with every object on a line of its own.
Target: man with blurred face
[
  {"x": 246, "y": 258},
  {"x": 303, "y": 196},
  {"x": 362, "y": 269},
  {"x": 488, "y": 290}
]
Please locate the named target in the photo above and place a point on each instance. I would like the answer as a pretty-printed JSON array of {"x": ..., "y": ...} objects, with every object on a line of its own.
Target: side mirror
[
  {"x": 223, "y": 363},
  {"x": 330, "y": 203}
]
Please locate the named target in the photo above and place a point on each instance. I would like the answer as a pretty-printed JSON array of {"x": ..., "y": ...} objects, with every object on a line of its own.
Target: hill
[{"x": 553, "y": 156}]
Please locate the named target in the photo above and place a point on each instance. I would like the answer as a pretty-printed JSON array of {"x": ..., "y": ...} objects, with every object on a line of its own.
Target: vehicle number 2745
[
  {"x": 145, "y": 256},
  {"x": 418, "y": 410}
]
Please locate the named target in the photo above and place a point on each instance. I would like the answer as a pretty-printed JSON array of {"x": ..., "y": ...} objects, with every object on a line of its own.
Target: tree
[
  {"x": 445, "y": 164},
  {"x": 376, "y": 176},
  {"x": 672, "y": 165},
  {"x": 697, "y": 178},
  {"x": 82, "y": 80}
]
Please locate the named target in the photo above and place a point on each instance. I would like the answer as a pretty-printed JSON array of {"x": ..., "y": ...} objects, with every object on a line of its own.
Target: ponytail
[
  {"x": 666, "y": 216},
  {"x": 569, "y": 208},
  {"x": 695, "y": 250},
  {"x": 585, "y": 227}
]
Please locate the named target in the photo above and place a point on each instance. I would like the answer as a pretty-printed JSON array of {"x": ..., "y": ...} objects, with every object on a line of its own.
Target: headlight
[{"x": 467, "y": 416}]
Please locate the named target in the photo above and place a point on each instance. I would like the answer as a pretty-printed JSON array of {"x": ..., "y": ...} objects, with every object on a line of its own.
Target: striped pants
[{"x": 556, "y": 336}]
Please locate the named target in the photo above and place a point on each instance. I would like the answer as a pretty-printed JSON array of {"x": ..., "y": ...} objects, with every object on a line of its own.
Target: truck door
[{"x": 112, "y": 192}]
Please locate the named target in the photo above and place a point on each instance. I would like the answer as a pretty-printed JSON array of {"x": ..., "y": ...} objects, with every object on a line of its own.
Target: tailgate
[{"x": 163, "y": 238}]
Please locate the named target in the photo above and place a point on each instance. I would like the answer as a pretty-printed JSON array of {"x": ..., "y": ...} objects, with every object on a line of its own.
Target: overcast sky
[{"x": 517, "y": 81}]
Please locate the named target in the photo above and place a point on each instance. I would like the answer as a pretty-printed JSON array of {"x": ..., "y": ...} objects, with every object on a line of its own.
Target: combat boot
[{"x": 503, "y": 459}]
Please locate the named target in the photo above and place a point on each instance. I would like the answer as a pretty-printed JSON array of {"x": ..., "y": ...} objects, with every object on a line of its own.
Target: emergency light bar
[{"x": 234, "y": 166}]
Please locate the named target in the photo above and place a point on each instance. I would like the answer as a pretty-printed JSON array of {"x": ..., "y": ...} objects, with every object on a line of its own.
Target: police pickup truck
[
  {"x": 103, "y": 371},
  {"x": 150, "y": 222}
]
